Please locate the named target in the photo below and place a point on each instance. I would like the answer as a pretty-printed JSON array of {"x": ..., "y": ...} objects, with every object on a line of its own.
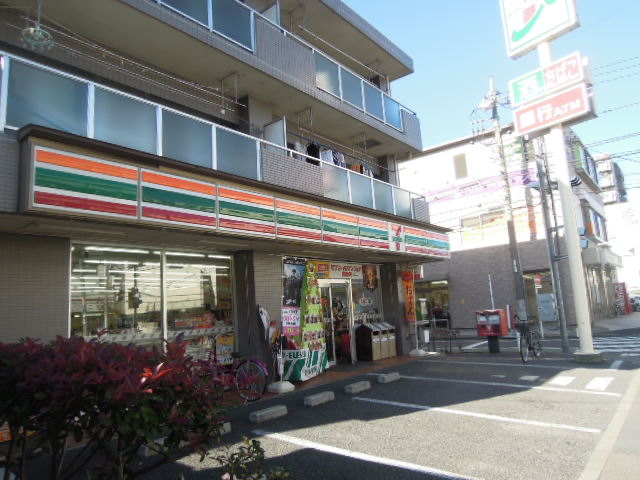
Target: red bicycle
[{"x": 248, "y": 376}]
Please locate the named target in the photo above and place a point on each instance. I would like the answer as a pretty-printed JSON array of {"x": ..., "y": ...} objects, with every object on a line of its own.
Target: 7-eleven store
[{"x": 107, "y": 238}]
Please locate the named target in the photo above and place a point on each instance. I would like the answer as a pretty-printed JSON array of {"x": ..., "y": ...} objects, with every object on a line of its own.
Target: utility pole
[
  {"x": 543, "y": 179},
  {"x": 493, "y": 99}
]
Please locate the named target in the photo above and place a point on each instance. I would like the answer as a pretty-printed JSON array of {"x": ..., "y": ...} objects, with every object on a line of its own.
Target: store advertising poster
[
  {"x": 294, "y": 273},
  {"x": 313, "y": 336},
  {"x": 409, "y": 296}
]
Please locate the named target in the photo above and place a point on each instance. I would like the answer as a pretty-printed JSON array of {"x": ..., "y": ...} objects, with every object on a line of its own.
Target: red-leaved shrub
[{"x": 112, "y": 398}]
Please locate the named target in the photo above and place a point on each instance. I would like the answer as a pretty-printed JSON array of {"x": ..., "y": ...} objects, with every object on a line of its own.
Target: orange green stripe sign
[
  {"x": 72, "y": 183},
  {"x": 246, "y": 212},
  {"x": 172, "y": 199},
  {"x": 75, "y": 183},
  {"x": 298, "y": 221}
]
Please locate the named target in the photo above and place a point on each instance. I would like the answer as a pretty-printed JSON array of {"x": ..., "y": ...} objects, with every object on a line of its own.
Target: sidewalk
[{"x": 623, "y": 322}]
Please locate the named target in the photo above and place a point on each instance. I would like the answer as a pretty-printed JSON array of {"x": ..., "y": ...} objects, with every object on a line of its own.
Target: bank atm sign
[{"x": 567, "y": 105}]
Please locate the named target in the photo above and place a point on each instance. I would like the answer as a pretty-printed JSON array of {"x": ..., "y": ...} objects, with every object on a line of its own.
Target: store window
[
  {"x": 366, "y": 295},
  {"x": 114, "y": 289},
  {"x": 433, "y": 303},
  {"x": 118, "y": 290},
  {"x": 460, "y": 166}
]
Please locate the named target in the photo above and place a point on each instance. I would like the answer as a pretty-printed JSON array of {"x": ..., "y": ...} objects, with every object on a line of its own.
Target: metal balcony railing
[
  {"x": 32, "y": 93},
  {"x": 236, "y": 21}
]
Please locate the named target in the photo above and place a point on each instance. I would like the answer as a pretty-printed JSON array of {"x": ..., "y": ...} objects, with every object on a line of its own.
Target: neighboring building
[
  {"x": 164, "y": 163},
  {"x": 622, "y": 222},
  {"x": 462, "y": 183},
  {"x": 611, "y": 180}
]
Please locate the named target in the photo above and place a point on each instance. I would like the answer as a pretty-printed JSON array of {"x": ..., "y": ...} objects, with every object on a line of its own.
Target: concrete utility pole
[
  {"x": 556, "y": 139},
  {"x": 518, "y": 280}
]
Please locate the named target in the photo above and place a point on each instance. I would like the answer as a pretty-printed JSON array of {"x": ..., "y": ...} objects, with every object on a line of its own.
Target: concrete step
[
  {"x": 357, "y": 387},
  {"x": 271, "y": 413},
  {"x": 388, "y": 377},
  {"x": 319, "y": 398}
]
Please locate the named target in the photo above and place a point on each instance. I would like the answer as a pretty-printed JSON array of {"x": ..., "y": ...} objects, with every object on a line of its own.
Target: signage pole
[{"x": 586, "y": 354}]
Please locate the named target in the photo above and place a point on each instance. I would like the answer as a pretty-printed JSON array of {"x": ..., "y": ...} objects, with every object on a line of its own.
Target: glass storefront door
[{"x": 337, "y": 315}]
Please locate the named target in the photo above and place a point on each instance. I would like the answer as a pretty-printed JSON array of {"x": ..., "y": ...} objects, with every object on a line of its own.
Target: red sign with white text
[{"x": 559, "y": 108}]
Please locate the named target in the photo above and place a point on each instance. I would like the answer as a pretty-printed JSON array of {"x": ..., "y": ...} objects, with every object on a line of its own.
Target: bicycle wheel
[
  {"x": 251, "y": 381},
  {"x": 536, "y": 345},
  {"x": 524, "y": 347}
]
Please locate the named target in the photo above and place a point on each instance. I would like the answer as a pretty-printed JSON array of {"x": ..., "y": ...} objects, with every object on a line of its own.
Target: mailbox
[{"x": 492, "y": 323}]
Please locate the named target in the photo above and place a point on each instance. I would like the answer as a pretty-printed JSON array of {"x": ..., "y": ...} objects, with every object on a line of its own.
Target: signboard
[
  {"x": 527, "y": 23},
  {"x": 294, "y": 270},
  {"x": 558, "y": 75},
  {"x": 337, "y": 270},
  {"x": 303, "y": 364},
  {"x": 537, "y": 281},
  {"x": 409, "y": 296},
  {"x": 559, "y": 108}
]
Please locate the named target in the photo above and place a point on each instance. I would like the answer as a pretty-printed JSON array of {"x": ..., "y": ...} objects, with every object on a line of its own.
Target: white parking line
[
  {"x": 599, "y": 384},
  {"x": 529, "y": 378},
  {"x": 615, "y": 365},
  {"x": 498, "y": 364},
  {"x": 562, "y": 380},
  {"x": 521, "y": 386},
  {"x": 474, "y": 345},
  {"x": 485, "y": 416},
  {"x": 362, "y": 456}
]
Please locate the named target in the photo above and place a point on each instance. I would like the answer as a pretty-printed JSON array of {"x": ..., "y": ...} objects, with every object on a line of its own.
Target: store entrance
[{"x": 337, "y": 316}]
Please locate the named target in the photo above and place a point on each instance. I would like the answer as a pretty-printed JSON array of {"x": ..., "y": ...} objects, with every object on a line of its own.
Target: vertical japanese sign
[
  {"x": 408, "y": 289},
  {"x": 527, "y": 23},
  {"x": 294, "y": 269}
]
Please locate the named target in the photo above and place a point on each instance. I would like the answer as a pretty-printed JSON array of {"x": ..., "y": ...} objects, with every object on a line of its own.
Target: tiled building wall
[
  {"x": 34, "y": 287},
  {"x": 467, "y": 273},
  {"x": 421, "y": 209},
  {"x": 289, "y": 172},
  {"x": 9, "y": 169},
  {"x": 268, "y": 280}
]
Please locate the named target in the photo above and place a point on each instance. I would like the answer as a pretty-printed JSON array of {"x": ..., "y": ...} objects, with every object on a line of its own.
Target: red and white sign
[{"x": 559, "y": 108}]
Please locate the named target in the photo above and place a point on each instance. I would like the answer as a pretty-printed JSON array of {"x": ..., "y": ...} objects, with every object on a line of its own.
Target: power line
[
  {"x": 624, "y": 60},
  {"x": 613, "y": 139}
]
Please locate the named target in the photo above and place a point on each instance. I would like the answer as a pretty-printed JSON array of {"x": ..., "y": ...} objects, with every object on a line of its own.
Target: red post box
[{"x": 492, "y": 323}]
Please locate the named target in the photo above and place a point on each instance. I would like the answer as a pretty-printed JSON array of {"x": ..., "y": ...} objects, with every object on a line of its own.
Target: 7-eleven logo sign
[{"x": 527, "y": 23}]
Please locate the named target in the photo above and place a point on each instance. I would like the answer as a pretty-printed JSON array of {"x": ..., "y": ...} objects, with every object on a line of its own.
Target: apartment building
[
  {"x": 622, "y": 222},
  {"x": 466, "y": 193},
  {"x": 170, "y": 167}
]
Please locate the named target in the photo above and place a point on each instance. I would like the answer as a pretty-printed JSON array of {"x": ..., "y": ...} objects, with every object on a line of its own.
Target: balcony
[
  {"x": 236, "y": 21},
  {"x": 34, "y": 94},
  {"x": 238, "y": 53}
]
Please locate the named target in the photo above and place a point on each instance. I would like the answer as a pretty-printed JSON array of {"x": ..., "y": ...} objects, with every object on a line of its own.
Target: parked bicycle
[
  {"x": 248, "y": 376},
  {"x": 529, "y": 339}
]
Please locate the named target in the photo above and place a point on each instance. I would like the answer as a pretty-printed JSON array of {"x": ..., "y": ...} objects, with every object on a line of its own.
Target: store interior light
[
  {"x": 224, "y": 257},
  {"x": 117, "y": 250},
  {"x": 181, "y": 254},
  {"x": 83, "y": 270}
]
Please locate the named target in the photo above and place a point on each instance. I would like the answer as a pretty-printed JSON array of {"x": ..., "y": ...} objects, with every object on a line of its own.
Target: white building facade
[{"x": 465, "y": 189}]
